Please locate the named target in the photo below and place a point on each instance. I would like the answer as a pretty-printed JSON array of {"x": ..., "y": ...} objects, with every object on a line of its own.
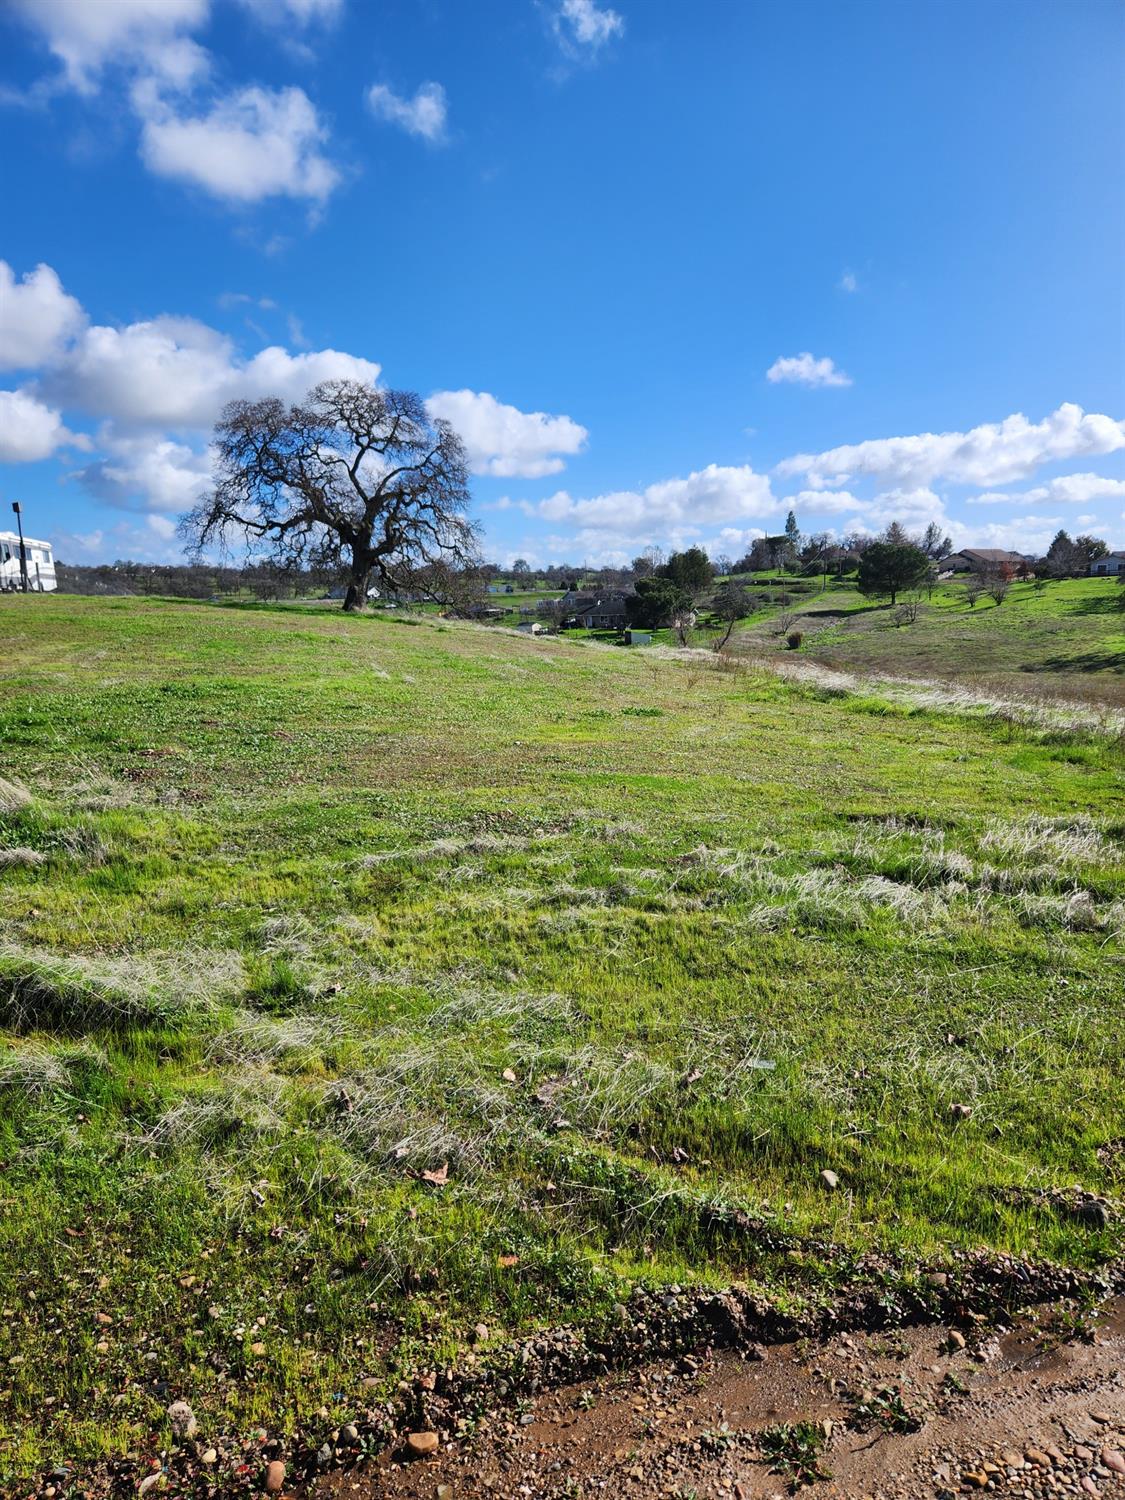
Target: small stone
[
  {"x": 419, "y": 1444},
  {"x": 1040, "y": 1460},
  {"x": 829, "y": 1178},
  {"x": 275, "y": 1476},
  {"x": 1012, "y": 1459},
  {"x": 937, "y": 1279},
  {"x": 1089, "y": 1486},
  {"x": 1113, "y": 1460},
  {"x": 150, "y": 1483},
  {"x": 979, "y": 1479},
  {"x": 182, "y": 1420},
  {"x": 1103, "y": 1417},
  {"x": 444, "y": 1492},
  {"x": 257, "y": 1348},
  {"x": 209, "y": 1457},
  {"x": 509, "y": 1076},
  {"x": 349, "y": 1433},
  {"x": 480, "y": 1333},
  {"x": 956, "y": 1339}
]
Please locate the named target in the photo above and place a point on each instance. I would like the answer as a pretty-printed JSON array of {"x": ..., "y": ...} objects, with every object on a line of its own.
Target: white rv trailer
[{"x": 40, "y": 564}]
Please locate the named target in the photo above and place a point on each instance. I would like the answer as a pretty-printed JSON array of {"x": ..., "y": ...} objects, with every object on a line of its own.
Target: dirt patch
[{"x": 909, "y": 1413}]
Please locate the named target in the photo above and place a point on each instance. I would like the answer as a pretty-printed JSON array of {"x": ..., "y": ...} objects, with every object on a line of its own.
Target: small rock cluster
[{"x": 1096, "y": 1467}]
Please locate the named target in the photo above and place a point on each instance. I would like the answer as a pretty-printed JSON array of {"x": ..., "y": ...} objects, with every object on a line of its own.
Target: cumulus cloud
[
  {"x": 30, "y": 430},
  {"x": 423, "y": 116},
  {"x": 1071, "y": 489},
  {"x": 503, "y": 441},
  {"x": 803, "y": 369},
  {"x": 149, "y": 473},
  {"x": 179, "y": 373},
  {"x": 672, "y": 510},
  {"x": 824, "y": 502},
  {"x": 88, "y": 35},
  {"x": 253, "y": 144},
  {"x": 146, "y": 540},
  {"x": 36, "y": 317},
  {"x": 582, "y": 25},
  {"x": 994, "y": 453}
]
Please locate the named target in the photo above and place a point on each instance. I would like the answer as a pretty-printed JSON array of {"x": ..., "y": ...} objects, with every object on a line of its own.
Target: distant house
[
  {"x": 605, "y": 611},
  {"x": 40, "y": 564},
  {"x": 1110, "y": 566},
  {"x": 531, "y": 627},
  {"x": 982, "y": 560}
]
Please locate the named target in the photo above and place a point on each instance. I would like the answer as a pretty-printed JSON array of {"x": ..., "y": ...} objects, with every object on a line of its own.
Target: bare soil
[{"x": 1024, "y": 1411}]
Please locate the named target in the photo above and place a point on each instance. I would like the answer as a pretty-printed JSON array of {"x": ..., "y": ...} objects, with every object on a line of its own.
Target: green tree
[
  {"x": 888, "y": 567},
  {"x": 691, "y": 571},
  {"x": 792, "y": 539},
  {"x": 656, "y": 602}
]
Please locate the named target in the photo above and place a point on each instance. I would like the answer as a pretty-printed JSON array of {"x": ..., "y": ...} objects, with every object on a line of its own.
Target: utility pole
[{"x": 23, "y": 550}]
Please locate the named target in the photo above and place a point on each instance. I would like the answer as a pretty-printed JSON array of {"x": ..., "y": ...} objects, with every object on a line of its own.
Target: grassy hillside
[
  {"x": 363, "y": 979},
  {"x": 1065, "y": 638}
]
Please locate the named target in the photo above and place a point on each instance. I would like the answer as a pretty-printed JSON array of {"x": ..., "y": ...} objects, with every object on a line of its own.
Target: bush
[{"x": 794, "y": 639}]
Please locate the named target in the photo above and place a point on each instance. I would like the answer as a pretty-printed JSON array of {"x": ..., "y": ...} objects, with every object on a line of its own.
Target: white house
[
  {"x": 40, "y": 564},
  {"x": 1108, "y": 566}
]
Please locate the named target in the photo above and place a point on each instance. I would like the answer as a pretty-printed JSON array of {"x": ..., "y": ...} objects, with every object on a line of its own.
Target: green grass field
[
  {"x": 621, "y": 949},
  {"x": 1060, "y": 639}
]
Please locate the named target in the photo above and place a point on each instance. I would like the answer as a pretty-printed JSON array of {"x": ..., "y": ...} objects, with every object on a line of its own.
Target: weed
[{"x": 793, "y": 1451}]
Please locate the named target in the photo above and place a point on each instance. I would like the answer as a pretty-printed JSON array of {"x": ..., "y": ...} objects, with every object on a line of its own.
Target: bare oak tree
[{"x": 353, "y": 476}]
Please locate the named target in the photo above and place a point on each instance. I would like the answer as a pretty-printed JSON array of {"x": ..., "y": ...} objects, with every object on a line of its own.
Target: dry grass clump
[
  {"x": 39, "y": 1073},
  {"x": 298, "y": 1041},
  {"x": 14, "y": 796},
  {"x": 1065, "y": 841},
  {"x": 21, "y": 858},
  {"x": 44, "y": 992},
  {"x": 250, "y": 1102}
]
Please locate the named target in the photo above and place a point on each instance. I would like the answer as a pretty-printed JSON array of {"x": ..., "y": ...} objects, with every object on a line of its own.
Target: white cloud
[
  {"x": 671, "y": 511},
  {"x": 178, "y": 373},
  {"x": 503, "y": 441},
  {"x": 148, "y": 540},
  {"x": 36, "y": 317},
  {"x": 994, "y": 453},
  {"x": 29, "y": 430},
  {"x": 582, "y": 24},
  {"x": 303, "y": 12},
  {"x": 824, "y": 502},
  {"x": 88, "y": 35},
  {"x": 848, "y": 283},
  {"x": 149, "y": 473},
  {"x": 254, "y": 144},
  {"x": 803, "y": 369},
  {"x": 424, "y": 115},
  {"x": 1071, "y": 489}
]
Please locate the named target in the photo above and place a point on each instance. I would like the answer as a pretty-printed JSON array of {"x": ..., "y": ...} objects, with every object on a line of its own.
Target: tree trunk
[{"x": 355, "y": 600}]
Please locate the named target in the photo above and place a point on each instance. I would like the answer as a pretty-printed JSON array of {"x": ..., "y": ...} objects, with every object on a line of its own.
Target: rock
[
  {"x": 1093, "y": 1213},
  {"x": 937, "y": 1279},
  {"x": 209, "y": 1457},
  {"x": 829, "y": 1178},
  {"x": 509, "y": 1076},
  {"x": 419, "y": 1444},
  {"x": 444, "y": 1492},
  {"x": 977, "y": 1478},
  {"x": 1104, "y": 1417},
  {"x": 1013, "y": 1459},
  {"x": 349, "y": 1433},
  {"x": 956, "y": 1339},
  {"x": 182, "y": 1420},
  {"x": 275, "y": 1476},
  {"x": 1089, "y": 1486},
  {"x": 258, "y": 1348},
  {"x": 1040, "y": 1460},
  {"x": 150, "y": 1483},
  {"x": 1113, "y": 1460},
  {"x": 480, "y": 1333}
]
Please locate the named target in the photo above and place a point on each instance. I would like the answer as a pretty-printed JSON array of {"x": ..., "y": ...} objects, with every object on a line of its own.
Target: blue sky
[{"x": 669, "y": 269}]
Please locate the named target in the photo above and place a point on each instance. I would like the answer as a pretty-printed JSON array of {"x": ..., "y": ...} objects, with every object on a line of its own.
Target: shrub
[{"x": 794, "y": 639}]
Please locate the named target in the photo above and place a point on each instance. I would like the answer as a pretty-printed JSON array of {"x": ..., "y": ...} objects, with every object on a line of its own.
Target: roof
[
  {"x": 29, "y": 541},
  {"x": 989, "y": 554}
]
